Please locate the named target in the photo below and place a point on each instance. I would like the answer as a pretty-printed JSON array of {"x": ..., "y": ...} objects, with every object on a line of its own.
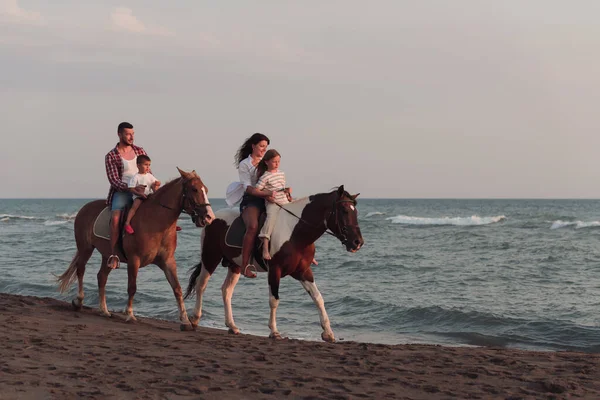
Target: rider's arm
[
  {"x": 246, "y": 179},
  {"x": 113, "y": 173}
]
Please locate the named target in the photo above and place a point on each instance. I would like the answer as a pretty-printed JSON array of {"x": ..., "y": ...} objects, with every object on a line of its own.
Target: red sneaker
[
  {"x": 129, "y": 229},
  {"x": 177, "y": 228}
]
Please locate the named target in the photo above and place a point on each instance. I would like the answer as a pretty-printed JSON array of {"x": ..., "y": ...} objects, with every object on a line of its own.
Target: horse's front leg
[
  {"x": 200, "y": 288},
  {"x": 311, "y": 287},
  {"x": 274, "y": 278},
  {"x": 227, "y": 291},
  {"x": 170, "y": 270},
  {"x": 133, "y": 266}
]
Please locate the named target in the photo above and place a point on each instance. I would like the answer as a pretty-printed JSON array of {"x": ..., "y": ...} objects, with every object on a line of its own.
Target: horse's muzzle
[{"x": 354, "y": 245}]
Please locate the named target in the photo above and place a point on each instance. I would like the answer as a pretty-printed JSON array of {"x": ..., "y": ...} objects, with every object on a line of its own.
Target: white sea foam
[
  {"x": 52, "y": 223},
  {"x": 458, "y": 221},
  {"x": 68, "y": 217},
  {"x": 5, "y": 217},
  {"x": 577, "y": 224},
  {"x": 372, "y": 213}
]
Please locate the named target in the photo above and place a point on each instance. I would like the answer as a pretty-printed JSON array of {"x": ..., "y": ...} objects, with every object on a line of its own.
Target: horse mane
[{"x": 164, "y": 188}]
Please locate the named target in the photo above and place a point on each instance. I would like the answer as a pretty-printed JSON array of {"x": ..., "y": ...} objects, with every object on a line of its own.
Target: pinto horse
[
  {"x": 154, "y": 241},
  {"x": 299, "y": 224}
]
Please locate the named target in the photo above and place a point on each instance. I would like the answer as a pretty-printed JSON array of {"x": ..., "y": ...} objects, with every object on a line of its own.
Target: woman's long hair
[
  {"x": 261, "y": 168},
  {"x": 246, "y": 149}
]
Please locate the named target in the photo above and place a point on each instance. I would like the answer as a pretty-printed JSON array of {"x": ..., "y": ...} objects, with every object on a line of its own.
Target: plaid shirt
[{"x": 114, "y": 170}]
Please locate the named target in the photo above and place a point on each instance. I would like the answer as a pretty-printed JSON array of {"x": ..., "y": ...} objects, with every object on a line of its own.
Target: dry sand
[{"x": 49, "y": 351}]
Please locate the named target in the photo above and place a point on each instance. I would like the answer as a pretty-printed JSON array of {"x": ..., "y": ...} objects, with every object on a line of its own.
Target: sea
[{"x": 504, "y": 273}]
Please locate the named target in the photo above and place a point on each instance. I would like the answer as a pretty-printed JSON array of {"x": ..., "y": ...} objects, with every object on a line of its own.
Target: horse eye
[{"x": 194, "y": 190}]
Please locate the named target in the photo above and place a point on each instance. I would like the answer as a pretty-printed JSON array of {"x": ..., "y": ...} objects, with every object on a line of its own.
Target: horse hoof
[
  {"x": 106, "y": 314},
  {"x": 275, "y": 335},
  {"x": 187, "y": 328},
  {"x": 131, "y": 319},
  {"x": 328, "y": 338},
  {"x": 77, "y": 304},
  {"x": 194, "y": 322},
  {"x": 234, "y": 332}
]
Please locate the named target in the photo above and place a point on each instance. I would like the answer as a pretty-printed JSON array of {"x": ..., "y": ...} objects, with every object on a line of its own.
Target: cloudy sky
[{"x": 467, "y": 98}]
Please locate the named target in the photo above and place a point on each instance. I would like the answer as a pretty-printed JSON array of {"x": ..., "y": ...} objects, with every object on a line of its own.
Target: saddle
[
  {"x": 102, "y": 227},
  {"x": 235, "y": 237}
]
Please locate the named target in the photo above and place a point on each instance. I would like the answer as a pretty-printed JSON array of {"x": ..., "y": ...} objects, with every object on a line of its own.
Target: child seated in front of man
[{"x": 143, "y": 177}]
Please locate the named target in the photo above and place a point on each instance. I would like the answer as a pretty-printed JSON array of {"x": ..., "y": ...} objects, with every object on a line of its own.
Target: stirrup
[
  {"x": 252, "y": 269},
  {"x": 108, "y": 262}
]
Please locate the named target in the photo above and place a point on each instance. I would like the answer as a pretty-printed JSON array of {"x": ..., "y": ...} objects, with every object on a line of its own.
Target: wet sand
[{"x": 49, "y": 351}]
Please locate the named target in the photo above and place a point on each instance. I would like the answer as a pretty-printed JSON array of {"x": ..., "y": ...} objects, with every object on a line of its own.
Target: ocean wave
[
  {"x": 372, "y": 213},
  {"x": 65, "y": 216},
  {"x": 473, "y": 220},
  {"x": 577, "y": 224},
  {"x": 8, "y": 217},
  {"x": 52, "y": 223}
]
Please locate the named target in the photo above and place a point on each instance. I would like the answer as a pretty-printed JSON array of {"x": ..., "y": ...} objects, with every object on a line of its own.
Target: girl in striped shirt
[{"x": 272, "y": 179}]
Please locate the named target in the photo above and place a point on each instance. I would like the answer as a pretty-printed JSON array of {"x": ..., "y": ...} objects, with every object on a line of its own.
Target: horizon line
[{"x": 362, "y": 198}]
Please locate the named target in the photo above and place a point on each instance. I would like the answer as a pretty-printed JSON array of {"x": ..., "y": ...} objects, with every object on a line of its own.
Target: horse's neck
[
  {"x": 169, "y": 201},
  {"x": 313, "y": 225}
]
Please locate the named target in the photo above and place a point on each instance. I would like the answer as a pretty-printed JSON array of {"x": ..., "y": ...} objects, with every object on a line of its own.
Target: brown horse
[
  {"x": 299, "y": 225},
  {"x": 154, "y": 241}
]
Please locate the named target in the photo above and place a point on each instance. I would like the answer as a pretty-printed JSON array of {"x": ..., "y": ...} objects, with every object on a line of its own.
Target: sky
[{"x": 393, "y": 99}]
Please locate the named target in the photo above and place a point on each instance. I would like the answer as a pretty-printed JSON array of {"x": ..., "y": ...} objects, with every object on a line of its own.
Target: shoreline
[{"x": 51, "y": 351}]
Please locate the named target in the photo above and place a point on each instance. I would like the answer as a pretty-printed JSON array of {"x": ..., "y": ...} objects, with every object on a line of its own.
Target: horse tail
[
  {"x": 192, "y": 284},
  {"x": 69, "y": 276}
]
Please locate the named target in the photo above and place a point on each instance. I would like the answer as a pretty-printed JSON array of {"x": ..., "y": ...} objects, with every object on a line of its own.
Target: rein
[
  {"x": 327, "y": 230},
  {"x": 193, "y": 213}
]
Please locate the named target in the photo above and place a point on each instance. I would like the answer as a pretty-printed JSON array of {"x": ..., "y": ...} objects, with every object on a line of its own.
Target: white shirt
[
  {"x": 129, "y": 169},
  {"x": 143, "y": 179},
  {"x": 247, "y": 173}
]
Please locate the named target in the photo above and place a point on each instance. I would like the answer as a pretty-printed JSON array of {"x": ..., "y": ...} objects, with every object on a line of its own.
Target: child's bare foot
[
  {"x": 266, "y": 254},
  {"x": 314, "y": 262}
]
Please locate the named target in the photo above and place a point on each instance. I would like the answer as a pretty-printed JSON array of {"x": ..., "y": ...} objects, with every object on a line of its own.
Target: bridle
[
  {"x": 343, "y": 231},
  {"x": 341, "y": 235},
  {"x": 190, "y": 203}
]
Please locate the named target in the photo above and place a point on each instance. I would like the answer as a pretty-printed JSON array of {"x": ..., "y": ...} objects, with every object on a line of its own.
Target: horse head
[
  {"x": 343, "y": 220},
  {"x": 195, "y": 199}
]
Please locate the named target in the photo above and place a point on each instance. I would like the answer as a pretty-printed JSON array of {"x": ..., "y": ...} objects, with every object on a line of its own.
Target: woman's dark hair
[
  {"x": 246, "y": 149},
  {"x": 261, "y": 168}
]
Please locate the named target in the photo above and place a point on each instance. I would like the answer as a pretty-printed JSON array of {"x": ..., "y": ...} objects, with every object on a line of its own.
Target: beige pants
[{"x": 272, "y": 212}]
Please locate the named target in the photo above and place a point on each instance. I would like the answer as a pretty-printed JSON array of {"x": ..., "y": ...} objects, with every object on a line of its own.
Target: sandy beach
[{"x": 50, "y": 351}]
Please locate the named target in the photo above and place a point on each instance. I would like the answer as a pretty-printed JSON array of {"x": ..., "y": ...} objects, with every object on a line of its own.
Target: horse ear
[
  {"x": 183, "y": 174},
  {"x": 355, "y": 196},
  {"x": 341, "y": 190}
]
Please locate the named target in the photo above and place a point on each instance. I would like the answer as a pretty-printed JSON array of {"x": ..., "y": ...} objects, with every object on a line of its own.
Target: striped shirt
[{"x": 275, "y": 182}]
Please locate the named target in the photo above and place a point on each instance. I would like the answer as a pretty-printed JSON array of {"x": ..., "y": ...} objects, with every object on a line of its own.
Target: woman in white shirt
[{"x": 253, "y": 202}]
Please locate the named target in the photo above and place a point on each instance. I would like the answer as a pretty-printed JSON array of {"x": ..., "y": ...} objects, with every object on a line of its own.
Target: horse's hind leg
[
  {"x": 102, "y": 278},
  {"x": 227, "y": 291},
  {"x": 84, "y": 257},
  {"x": 201, "y": 285},
  {"x": 78, "y": 266}
]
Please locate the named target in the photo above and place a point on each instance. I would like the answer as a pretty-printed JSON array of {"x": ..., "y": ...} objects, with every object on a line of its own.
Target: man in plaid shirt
[{"x": 121, "y": 165}]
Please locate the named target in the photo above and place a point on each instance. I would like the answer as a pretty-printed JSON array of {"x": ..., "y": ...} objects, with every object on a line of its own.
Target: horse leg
[
  {"x": 133, "y": 266},
  {"x": 227, "y": 290},
  {"x": 200, "y": 288},
  {"x": 170, "y": 270},
  {"x": 102, "y": 278},
  {"x": 274, "y": 278},
  {"x": 77, "y": 266},
  {"x": 311, "y": 287}
]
